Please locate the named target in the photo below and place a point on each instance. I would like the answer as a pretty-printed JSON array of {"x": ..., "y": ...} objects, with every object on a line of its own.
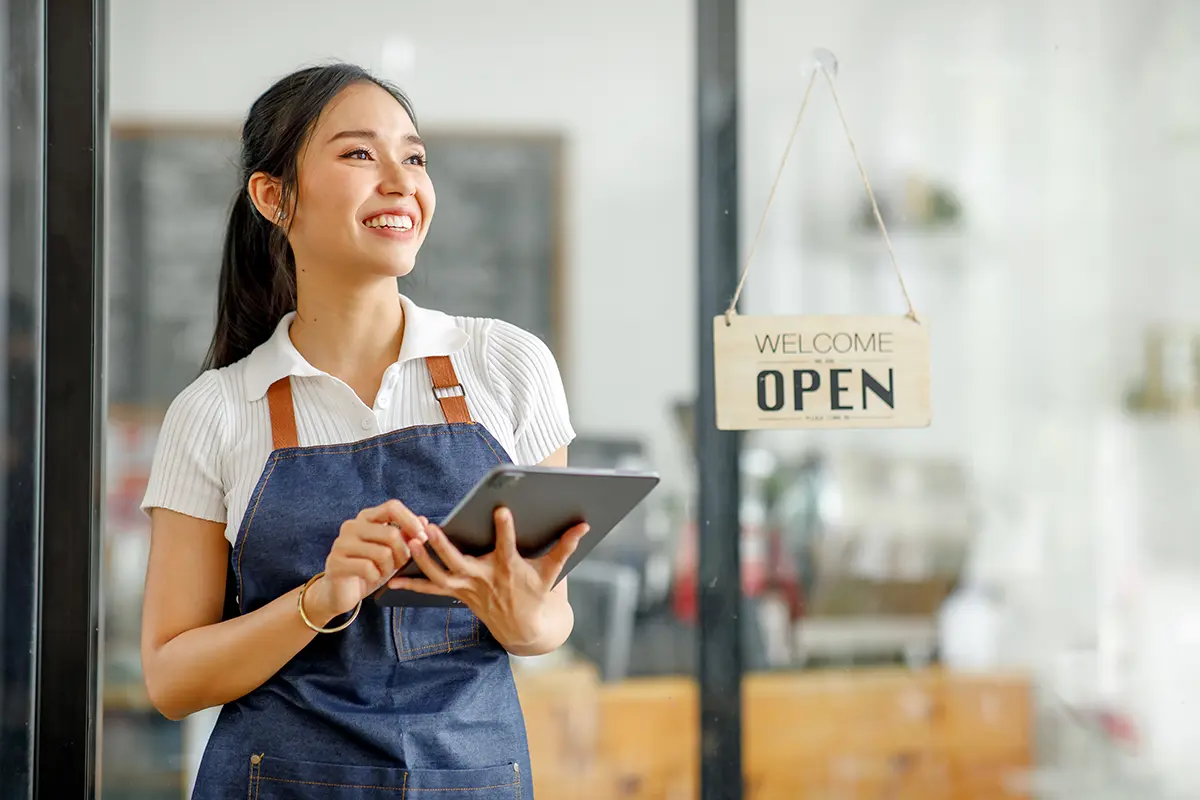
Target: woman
[{"x": 300, "y": 471}]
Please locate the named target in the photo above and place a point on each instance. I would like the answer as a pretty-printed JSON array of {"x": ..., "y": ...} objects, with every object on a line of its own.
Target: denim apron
[{"x": 415, "y": 703}]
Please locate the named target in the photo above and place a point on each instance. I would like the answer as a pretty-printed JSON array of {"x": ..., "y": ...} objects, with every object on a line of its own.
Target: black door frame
[
  {"x": 70, "y": 533},
  {"x": 717, "y": 452}
]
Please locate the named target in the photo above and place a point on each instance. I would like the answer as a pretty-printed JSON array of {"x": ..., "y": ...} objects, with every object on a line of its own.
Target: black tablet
[{"x": 545, "y": 503}]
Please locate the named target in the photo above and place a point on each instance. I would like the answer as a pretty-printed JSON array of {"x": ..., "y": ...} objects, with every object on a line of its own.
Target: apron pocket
[
  {"x": 489, "y": 783},
  {"x": 277, "y": 779},
  {"x": 420, "y": 632},
  {"x": 280, "y": 779}
]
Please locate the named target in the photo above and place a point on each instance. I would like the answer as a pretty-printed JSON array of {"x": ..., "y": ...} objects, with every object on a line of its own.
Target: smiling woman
[
  {"x": 329, "y": 134},
  {"x": 299, "y": 472}
]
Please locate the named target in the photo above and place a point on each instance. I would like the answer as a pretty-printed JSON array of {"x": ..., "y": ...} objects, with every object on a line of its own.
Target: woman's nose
[{"x": 398, "y": 180}]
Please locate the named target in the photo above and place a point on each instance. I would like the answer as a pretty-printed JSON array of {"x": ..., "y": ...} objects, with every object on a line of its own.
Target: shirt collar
[{"x": 426, "y": 333}]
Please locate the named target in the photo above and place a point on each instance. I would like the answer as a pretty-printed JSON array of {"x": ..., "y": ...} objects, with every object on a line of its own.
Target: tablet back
[{"x": 545, "y": 503}]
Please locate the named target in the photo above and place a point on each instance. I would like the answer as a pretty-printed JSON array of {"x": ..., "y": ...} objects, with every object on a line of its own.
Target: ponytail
[{"x": 258, "y": 284}]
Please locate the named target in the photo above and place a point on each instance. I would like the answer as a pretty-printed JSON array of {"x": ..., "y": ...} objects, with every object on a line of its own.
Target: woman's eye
[
  {"x": 360, "y": 153},
  {"x": 417, "y": 158}
]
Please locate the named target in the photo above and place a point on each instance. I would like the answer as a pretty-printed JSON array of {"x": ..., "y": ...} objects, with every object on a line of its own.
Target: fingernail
[{"x": 505, "y": 515}]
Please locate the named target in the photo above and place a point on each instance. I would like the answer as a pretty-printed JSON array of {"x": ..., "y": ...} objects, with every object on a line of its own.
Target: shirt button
[
  {"x": 366, "y": 424},
  {"x": 382, "y": 401}
]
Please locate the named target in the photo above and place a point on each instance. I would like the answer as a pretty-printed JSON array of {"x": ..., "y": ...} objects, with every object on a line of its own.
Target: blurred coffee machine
[{"x": 881, "y": 541}]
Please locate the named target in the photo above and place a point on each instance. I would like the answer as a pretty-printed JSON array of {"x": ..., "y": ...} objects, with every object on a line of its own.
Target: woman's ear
[{"x": 266, "y": 193}]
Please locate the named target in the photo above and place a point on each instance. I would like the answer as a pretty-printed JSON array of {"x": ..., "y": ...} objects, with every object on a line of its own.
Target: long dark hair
[{"x": 258, "y": 269}]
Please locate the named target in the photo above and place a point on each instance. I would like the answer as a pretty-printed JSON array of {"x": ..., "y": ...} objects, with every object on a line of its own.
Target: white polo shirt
[{"x": 216, "y": 436}]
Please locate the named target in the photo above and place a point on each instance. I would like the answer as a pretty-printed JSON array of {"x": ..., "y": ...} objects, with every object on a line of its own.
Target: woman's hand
[
  {"x": 512, "y": 595},
  {"x": 368, "y": 551}
]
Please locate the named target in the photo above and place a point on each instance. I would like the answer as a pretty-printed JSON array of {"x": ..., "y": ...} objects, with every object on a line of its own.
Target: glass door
[
  {"x": 21, "y": 159},
  {"x": 51, "y": 153}
]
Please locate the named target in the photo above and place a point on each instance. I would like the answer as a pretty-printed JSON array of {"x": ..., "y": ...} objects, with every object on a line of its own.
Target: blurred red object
[{"x": 767, "y": 567}]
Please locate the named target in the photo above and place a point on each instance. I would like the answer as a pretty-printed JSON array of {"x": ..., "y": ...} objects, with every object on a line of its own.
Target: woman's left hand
[{"x": 510, "y": 594}]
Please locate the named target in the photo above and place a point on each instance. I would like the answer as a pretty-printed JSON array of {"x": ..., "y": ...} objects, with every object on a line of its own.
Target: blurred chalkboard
[{"x": 494, "y": 249}]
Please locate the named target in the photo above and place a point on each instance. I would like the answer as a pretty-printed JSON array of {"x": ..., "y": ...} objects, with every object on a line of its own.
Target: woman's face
[{"x": 365, "y": 200}]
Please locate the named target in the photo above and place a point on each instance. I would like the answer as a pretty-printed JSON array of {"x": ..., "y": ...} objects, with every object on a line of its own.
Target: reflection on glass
[
  {"x": 1002, "y": 606},
  {"x": 21, "y": 163}
]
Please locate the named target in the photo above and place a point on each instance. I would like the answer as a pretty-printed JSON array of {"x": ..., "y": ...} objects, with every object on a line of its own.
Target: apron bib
[{"x": 406, "y": 700}]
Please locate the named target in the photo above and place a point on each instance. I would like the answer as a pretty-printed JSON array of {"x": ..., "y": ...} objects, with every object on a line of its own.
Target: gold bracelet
[{"x": 309, "y": 622}]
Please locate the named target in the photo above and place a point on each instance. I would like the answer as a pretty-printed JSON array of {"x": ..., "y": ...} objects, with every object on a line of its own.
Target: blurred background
[{"x": 1004, "y": 605}]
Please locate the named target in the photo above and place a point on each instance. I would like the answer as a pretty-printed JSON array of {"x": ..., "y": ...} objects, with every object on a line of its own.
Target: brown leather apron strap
[
  {"x": 283, "y": 414},
  {"x": 446, "y": 388},
  {"x": 448, "y": 391}
]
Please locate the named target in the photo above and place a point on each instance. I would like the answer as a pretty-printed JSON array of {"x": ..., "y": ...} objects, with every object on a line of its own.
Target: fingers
[
  {"x": 550, "y": 566},
  {"x": 387, "y": 535},
  {"x": 432, "y": 570},
  {"x": 389, "y": 555},
  {"x": 421, "y": 586},
  {"x": 393, "y": 512},
  {"x": 340, "y": 565},
  {"x": 450, "y": 555},
  {"x": 373, "y": 562},
  {"x": 506, "y": 534}
]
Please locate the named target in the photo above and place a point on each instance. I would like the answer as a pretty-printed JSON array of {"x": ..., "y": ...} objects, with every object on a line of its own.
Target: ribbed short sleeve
[
  {"x": 527, "y": 375},
  {"x": 186, "y": 473}
]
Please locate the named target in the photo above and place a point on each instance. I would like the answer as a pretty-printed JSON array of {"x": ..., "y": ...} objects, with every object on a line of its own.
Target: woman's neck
[{"x": 353, "y": 335}]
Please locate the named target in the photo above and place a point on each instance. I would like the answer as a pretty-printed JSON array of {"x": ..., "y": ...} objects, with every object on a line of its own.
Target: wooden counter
[{"x": 870, "y": 734}]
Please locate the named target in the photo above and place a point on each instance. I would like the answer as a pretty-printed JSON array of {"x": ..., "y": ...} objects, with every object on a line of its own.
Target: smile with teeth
[{"x": 396, "y": 222}]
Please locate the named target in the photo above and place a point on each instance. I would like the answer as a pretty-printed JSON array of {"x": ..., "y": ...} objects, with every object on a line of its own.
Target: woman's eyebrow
[{"x": 371, "y": 135}]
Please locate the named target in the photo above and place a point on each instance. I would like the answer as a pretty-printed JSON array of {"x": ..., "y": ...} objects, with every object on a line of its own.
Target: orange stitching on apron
[
  {"x": 441, "y": 647},
  {"x": 468, "y": 788},
  {"x": 402, "y": 789},
  {"x": 255, "y": 772},
  {"x": 249, "y": 522},
  {"x": 336, "y": 785},
  {"x": 398, "y": 630},
  {"x": 489, "y": 447},
  {"x": 381, "y": 441}
]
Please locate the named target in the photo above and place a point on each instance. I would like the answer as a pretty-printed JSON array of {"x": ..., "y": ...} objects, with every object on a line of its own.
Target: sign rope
[{"x": 826, "y": 65}]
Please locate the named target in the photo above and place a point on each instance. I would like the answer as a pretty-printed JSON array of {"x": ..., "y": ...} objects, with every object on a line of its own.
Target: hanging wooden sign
[{"x": 821, "y": 372}]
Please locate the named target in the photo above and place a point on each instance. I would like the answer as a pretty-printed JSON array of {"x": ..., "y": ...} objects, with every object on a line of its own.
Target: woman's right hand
[{"x": 368, "y": 551}]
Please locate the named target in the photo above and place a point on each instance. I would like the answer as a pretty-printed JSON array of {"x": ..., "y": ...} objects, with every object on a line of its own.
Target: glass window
[
  {"x": 1001, "y": 605},
  {"x": 21, "y": 165}
]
